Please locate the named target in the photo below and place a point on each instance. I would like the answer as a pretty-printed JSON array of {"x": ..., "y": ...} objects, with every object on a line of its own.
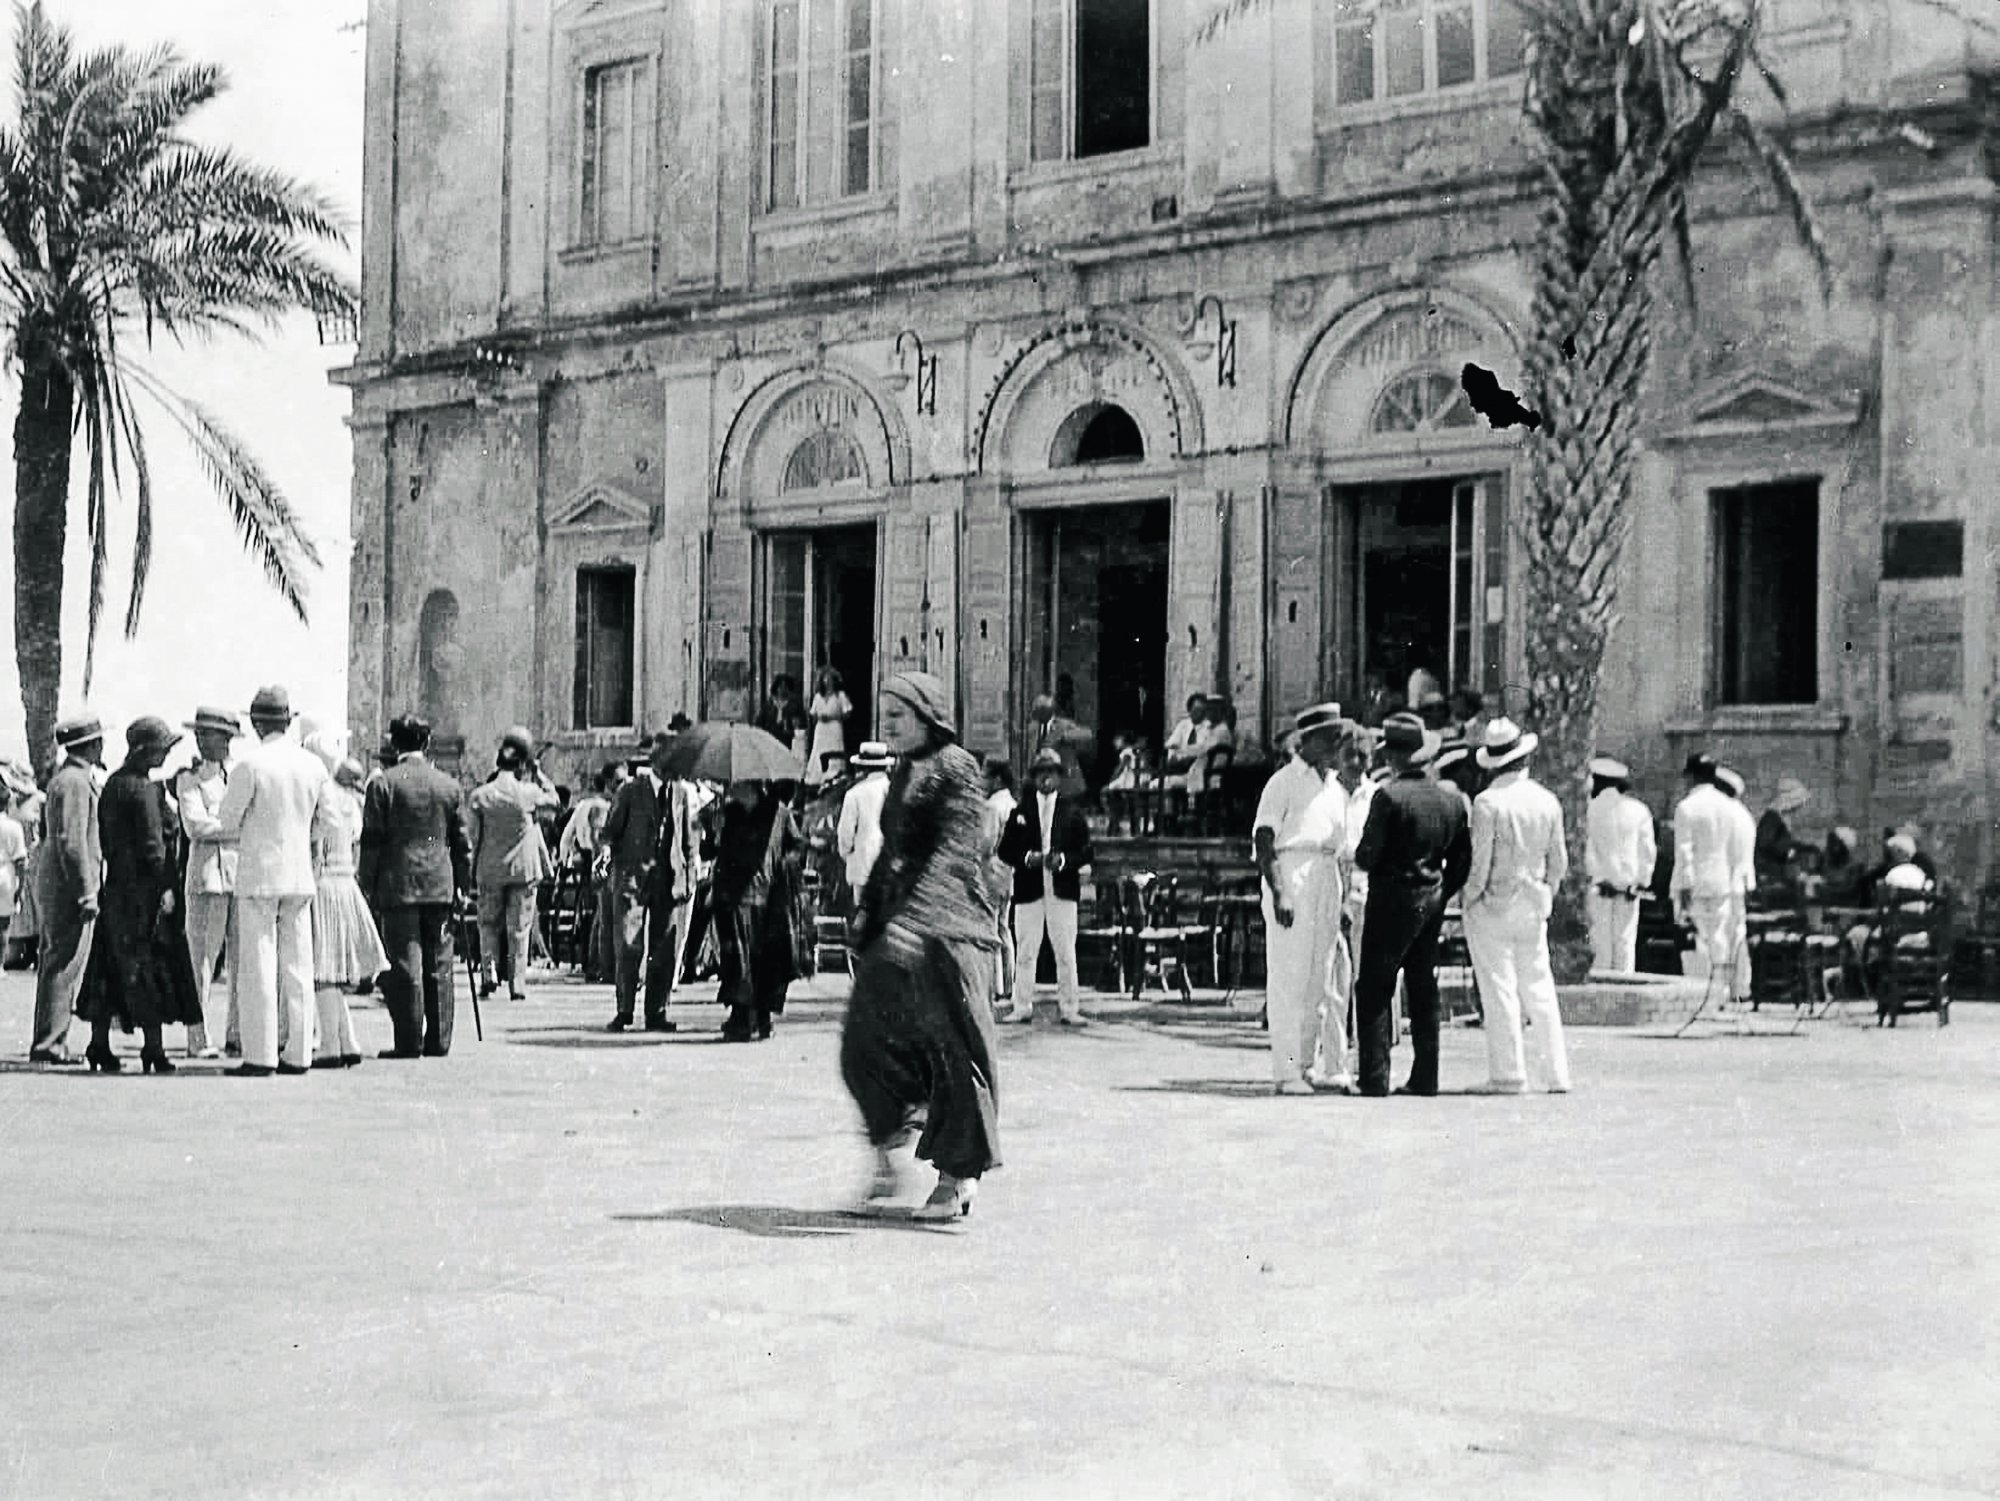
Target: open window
[
  {"x": 1090, "y": 78},
  {"x": 1766, "y": 624},
  {"x": 613, "y": 175}
]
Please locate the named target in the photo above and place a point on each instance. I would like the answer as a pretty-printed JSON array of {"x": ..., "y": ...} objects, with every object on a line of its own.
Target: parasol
[{"x": 730, "y": 753}]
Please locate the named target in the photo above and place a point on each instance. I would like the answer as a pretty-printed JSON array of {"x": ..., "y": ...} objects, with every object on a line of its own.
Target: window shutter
[
  {"x": 825, "y": 115},
  {"x": 905, "y": 570},
  {"x": 1298, "y": 550},
  {"x": 940, "y": 619},
  {"x": 645, "y": 145},
  {"x": 1194, "y": 606},
  {"x": 985, "y": 566},
  {"x": 730, "y": 610},
  {"x": 888, "y": 76}
]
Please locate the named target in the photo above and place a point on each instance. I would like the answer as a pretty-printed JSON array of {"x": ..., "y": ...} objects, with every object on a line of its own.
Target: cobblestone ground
[{"x": 562, "y": 1263}]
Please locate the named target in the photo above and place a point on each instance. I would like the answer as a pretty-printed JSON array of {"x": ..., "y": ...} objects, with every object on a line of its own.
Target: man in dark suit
[
  {"x": 1047, "y": 843},
  {"x": 642, "y": 918},
  {"x": 415, "y": 864},
  {"x": 1417, "y": 849}
]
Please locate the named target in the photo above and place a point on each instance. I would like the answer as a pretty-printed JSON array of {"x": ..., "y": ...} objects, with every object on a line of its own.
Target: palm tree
[{"x": 114, "y": 229}]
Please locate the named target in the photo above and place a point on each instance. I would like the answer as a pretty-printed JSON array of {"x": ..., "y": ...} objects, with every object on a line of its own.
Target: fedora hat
[
  {"x": 1319, "y": 717},
  {"x": 1046, "y": 760},
  {"x": 1506, "y": 743},
  {"x": 1791, "y": 795},
  {"x": 272, "y": 705},
  {"x": 1700, "y": 765},
  {"x": 220, "y": 721},
  {"x": 79, "y": 729},
  {"x": 1610, "y": 770},
  {"x": 1405, "y": 734},
  {"x": 872, "y": 755},
  {"x": 151, "y": 733}
]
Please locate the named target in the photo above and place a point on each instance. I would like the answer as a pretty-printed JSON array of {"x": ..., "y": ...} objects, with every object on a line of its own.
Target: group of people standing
[{"x": 1357, "y": 871}]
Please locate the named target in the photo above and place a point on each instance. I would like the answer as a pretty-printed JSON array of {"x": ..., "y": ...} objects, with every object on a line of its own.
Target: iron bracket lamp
[
  {"x": 899, "y": 377},
  {"x": 1222, "y": 345}
]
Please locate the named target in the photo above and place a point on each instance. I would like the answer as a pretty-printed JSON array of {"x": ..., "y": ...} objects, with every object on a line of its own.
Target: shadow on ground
[
  {"x": 1238, "y": 1089},
  {"x": 772, "y": 1222}
]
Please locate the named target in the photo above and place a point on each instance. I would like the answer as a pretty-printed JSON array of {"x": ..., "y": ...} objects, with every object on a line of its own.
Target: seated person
[{"x": 1842, "y": 880}]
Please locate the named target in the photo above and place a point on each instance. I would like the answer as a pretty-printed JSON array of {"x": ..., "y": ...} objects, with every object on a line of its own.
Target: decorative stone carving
[
  {"x": 1295, "y": 301},
  {"x": 1080, "y": 363}
]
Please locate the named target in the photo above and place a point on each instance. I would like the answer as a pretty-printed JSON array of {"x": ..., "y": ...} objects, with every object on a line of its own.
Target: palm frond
[
  {"x": 198, "y": 184},
  {"x": 1791, "y": 192}
]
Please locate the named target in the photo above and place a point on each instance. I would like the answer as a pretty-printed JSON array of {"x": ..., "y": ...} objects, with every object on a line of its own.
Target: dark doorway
[
  {"x": 819, "y": 612},
  {"x": 1097, "y": 629}
]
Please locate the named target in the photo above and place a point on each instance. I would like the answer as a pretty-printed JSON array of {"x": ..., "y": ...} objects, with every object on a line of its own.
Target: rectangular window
[
  {"x": 859, "y": 119},
  {"x": 1923, "y": 550},
  {"x": 606, "y": 633},
  {"x": 1767, "y": 593},
  {"x": 1090, "y": 78},
  {"x": 785, "y": 95},
  {"x": 612, "y": 180},
  {"x": 1393, "y": 49},
  {"x": 825, "y": 119}
]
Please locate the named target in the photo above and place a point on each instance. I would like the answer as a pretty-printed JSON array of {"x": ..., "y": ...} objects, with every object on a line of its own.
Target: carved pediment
[
  {"x": 600, "y": 507},
  {"x": 1755, "y": 401}
]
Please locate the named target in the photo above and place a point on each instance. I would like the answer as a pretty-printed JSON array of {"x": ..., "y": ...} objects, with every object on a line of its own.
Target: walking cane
[{"x": 471, "y": 973}]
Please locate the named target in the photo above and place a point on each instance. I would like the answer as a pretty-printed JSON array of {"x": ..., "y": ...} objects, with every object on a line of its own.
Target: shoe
[
  {"x": 1076, "y": 1020},
  {"x": 331, "y": 1061},
  {"x": 735, "y": 1034},
  {"x": 661, "y": 1024},
  {"x": 517, "y": 995},
  {"x": 1340, "y": 1084},
  {"x": 1292, "y": 1086},
  {"x": 205, "y": 1054},
  {"x": 54, "y": 1057},
  {"x": 1558, "y": 1089},
  {"x": 350, "y": 1060},
  {"x": 1416, "y": 1093},
  {"x": 618, "y": 1024},
  {"x": 102, "y": 1058},
  {"x": 763, "y": 1033},
  {"x": 251, "y": 1071},
  {"x": 397, "y": 1053},
  {"x": 233, "y": 1050},
  {"x": 487, "y": 989},
  {"x": 1020, "y": 1017},
  {"x": 950, "y": 1200},
  {"x": 293, "y": 1068},
  {"x": 155, "y": 1063},
  {"x": 1490, "y": 1087}
]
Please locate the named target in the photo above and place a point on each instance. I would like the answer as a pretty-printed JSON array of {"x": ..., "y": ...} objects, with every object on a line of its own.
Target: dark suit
[
  {"x": 1417, "y": 850},
  {"x": 415, "y": 860},
  {"x": 1045, "y": 899}
]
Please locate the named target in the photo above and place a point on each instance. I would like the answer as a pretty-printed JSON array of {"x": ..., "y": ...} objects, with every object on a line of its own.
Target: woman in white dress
[
  {"x": 830, "y": 710},
  {"x": 1001, "y": 800},
  {"x": 346, "y": 947}
]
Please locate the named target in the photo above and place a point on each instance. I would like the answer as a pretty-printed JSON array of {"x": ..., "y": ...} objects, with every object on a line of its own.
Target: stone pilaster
[{"x": 368, "y": 581}]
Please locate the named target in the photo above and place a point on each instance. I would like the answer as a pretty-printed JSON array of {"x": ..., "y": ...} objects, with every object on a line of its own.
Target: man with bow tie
[
  {"x": 211, "y": 876},
  {"x": 1047, "y": 842}
]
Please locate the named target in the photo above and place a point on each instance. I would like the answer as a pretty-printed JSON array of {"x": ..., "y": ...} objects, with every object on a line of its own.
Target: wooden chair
[
  {"x": 1777, "y": 944},
  {"x": 1103, "y": 939},
  {"x": 1212, "y": 810},
  {"x": 1158, "y": 937},
  {"x": 1909, "y": 955}
]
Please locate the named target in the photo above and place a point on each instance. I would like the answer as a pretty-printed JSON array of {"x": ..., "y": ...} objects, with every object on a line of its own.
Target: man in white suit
[
  {"x": 211, "y": 877},
  {"x": 274, "y": 794},
  {"x": 1743, "y": 849},
  {"x": 1711, "y": 851},
  {"x": 1519, "y": 859},
  {"x": 1618, "y": 857}
]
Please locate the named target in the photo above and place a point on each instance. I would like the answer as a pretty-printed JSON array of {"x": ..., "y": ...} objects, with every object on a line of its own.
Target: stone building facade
[{"x": 1023, "y": 342}]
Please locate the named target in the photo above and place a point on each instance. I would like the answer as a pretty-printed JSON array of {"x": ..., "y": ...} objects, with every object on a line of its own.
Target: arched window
[
  {"x": 1427, "y": 401},
  {"x": 1098, "y": 433},
  {"x": 826, "y": 458}
]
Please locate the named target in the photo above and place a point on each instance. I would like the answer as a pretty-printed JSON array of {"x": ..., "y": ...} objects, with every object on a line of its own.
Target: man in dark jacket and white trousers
[
  {"x": 415, "y": 863},
  {"x": 1047, "y": 843}
]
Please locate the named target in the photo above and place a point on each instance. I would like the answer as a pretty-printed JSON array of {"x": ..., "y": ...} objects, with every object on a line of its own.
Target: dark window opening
[
  {"x": 1767, "y": 577},
  {"x": 1923, "y": 550},
  {"x": 1107, "y": 437},
  {"x": 1114, "y": 75},
  {"x": 606, "y": 629}
]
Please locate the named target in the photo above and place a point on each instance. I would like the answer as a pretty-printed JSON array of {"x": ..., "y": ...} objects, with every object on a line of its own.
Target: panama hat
[
  {"x": 1731, "y": 781},
  {"x": 221, "y": 721},
  {"x": 872, "y": 755},
  {"x": 1319, "y": 717},
  {"x": 1506, "y": 743},
  {"x": 1610, "y": 770},
  {"x": 1451, "y": 750},
  {"x": 1405, "y": 734},
  {"x": 1791, "y": 795}
]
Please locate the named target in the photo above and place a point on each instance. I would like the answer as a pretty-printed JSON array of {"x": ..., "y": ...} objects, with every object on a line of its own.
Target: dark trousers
[
  {"x": 418, "y": 990},
  {"x": 699, "y": 916},
  {"x": 1399, "y": 934}
]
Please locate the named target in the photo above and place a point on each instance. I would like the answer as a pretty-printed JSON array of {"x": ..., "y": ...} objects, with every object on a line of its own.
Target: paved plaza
[{"x": 567, "y": 1264}]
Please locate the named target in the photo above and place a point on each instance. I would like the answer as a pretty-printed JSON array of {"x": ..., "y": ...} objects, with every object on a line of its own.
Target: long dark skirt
[
  {"x": 920, "y": 1034},
  {"x": 755, "y": 949},
  {"x": 139, "y": 973}
]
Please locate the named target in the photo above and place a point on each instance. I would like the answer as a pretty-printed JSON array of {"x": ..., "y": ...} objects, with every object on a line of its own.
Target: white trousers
[
  {"x": 274, "y": 978},
  {"x": 1058, "y": 918},
  {"x": 1510, "y": 958},
  {"x": 1614, "y": 933},
  {"x": 1307, "y": 973},
  {"x": 336, "y": 1025},
  {"x": 1720, "y": 941},
  {"x": 210, "y": 915}
]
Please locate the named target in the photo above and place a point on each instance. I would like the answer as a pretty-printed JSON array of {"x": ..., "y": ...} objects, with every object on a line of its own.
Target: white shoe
[
  {"x": 1073, "y": 1019},
  {"x": 883, "y": 1189},
  {"x": 1020, "y": 1016},
  {"x": 1338, "y": 1084},
  {"x": 950, "y": 1200},
  {"x": 1292, "y": 1086}
]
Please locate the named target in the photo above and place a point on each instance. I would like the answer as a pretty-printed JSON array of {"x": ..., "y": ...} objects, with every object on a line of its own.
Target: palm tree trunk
[{"x": 41, "y": 531}]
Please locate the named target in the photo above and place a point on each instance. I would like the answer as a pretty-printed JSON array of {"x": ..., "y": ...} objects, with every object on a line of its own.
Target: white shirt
[
  {"x": 859, "y": 833},
  {"x": 1517, "y": 840},
  {"x": 1712, "y": 847},
  {"x": 198, "y": 791},
  {"x": 1620, "y": 848},
  {"x": 1745, "y": 846},
  {"x": 1304, "y": 810}
]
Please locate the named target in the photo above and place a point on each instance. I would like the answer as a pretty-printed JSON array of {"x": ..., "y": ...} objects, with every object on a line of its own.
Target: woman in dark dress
[
  {"x": 919, "y": 1033},
  {"x": 750, "y": 898},
  {"x": 138, "y": 974}
]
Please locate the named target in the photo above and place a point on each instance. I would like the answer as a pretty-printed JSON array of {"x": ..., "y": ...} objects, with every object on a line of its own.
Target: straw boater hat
[
  {"x": 1451, "y": 750},
  {"x": 1605, "y": 768},
  {"x": 151, "y": 733},
  {"x": 1791, "y": 795},
  {"x": 272, "y": 705},
  {"x": 1732, "y": 781},
  {"x": 79, "y": 729},
  {"x": 1506, "y": 743},
  {"x": 872, "y": 755},
  {"x": 1405, "y": 734},
  {"x": 1319, "y": 717},
  {"x": 221, "y": 721}
]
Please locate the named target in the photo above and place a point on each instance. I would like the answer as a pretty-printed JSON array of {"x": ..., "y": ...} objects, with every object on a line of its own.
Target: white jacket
[
  {"x": 274, "y": 794},
  {"x": 859, "y": 835},
  {"x": 1713, "y": 846},
  {"x": 1621, "y": 849}
]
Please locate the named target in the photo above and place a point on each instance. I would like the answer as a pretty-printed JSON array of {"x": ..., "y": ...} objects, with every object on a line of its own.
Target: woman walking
[
  {"x": 919, "y": 1033},
  {"x": 752, "y": 907},
  {"x": 138, "y": 974},
  {"x": 346, "y": 948}
]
